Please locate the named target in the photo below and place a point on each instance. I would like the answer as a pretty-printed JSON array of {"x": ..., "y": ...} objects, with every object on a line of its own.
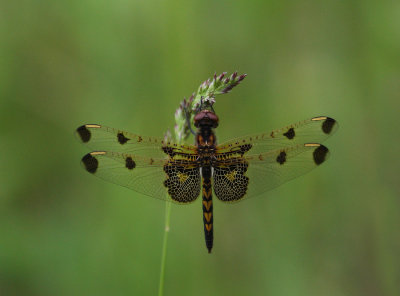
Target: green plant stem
[{"x": 164, "y": 248}]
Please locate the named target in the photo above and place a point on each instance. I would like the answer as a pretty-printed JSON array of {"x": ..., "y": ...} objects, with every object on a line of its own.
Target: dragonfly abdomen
[{"x": 207, "y": 208}]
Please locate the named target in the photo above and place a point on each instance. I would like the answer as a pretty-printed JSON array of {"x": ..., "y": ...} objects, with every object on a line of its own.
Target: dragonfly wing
[
  {"x": 103, "y": 138},
  {"x": 176, "y": 180},
  {"x": 242, "y": 177},
  {"x": 314, "y": 130}
]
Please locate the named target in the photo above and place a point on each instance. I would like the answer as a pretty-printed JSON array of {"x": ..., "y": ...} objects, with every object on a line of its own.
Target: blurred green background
[{"x": 127, "y": 64}]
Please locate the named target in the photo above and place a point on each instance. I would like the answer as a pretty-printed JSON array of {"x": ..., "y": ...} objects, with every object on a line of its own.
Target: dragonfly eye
[{"x": 206, "y": 118}]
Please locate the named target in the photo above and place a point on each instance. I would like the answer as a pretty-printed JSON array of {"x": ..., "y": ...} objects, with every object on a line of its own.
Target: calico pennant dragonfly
[{"x": 234, "y": 170}]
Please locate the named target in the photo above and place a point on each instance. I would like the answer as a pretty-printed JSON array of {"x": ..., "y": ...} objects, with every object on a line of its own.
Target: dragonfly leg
[{"x": 187, "y": 116}]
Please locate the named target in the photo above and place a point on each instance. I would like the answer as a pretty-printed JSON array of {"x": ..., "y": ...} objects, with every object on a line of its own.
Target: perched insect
[{"x": 235, "y": 170}]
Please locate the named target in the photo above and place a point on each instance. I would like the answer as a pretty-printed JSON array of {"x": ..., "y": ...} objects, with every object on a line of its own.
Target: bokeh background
[{"x": 128, "y": 64}]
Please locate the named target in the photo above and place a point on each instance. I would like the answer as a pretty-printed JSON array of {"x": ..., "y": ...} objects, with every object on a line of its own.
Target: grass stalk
[{"x": 164, "y": 248}]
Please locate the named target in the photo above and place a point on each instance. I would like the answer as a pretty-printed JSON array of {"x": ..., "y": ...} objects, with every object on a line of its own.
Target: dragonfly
[{"x": 234, "y": 170}]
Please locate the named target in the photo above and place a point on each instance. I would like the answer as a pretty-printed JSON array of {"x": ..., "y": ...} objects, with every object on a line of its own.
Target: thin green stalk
[{"x": 164, "y": 248}]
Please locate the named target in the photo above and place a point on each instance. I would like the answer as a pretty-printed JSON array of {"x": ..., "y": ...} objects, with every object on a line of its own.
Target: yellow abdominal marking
[
  {"x": 207, "y": 194},
  {"x": 207, "y": 204},
  {"x": 208, "y": 227},
  {"x": 208, "y": 216}
]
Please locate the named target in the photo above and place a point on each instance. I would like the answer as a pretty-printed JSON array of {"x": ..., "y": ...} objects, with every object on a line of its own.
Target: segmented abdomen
[{"x": 207, "y": 208}]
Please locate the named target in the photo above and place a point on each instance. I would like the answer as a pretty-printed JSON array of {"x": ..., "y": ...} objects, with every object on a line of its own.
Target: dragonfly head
[{"x": 206, "y": 118}]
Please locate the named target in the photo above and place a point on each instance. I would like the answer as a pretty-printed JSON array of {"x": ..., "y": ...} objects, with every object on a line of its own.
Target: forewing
[
  {"x": 167, "y": 179},
  {"x": 241, "y": 177},
  {"x": 103, "y": 138},
  {"x": 314, "y": 130}
]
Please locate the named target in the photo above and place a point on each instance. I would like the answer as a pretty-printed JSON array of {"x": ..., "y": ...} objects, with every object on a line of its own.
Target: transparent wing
[
  {"x": 103, "y": 138},
  {"x": 176, "y": 180},
  {"x": 241, "y": 177},
  {"x": 314, "y": 130}
]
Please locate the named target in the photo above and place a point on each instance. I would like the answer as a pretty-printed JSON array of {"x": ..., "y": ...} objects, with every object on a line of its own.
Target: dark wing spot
[
  {"x": 129, "y": 163},
  {"x": 245, "y": 148},
  {"x": 319, "y": 154},
  {"x": 91, "y": 163},
  {"x": 289, "y": 134},
  {"x": 242, "y": 149},
  {"x": 281, "y": 159},
  {"x": 84, "y": 133},
  {"x": 328, "y": 125},
  {"x": 169, "y": 151},
  {"x": 122, "y": 139}
]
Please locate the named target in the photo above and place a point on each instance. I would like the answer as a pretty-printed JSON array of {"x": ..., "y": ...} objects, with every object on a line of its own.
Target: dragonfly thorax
[
  {"x": 205, "y": 138},
  {"x": 206, "y": 151}
]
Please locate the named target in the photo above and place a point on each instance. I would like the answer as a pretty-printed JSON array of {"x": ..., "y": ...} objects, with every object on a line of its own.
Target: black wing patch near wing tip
[
  {"x": 320, "y": 154},
  {"x": 84, "y": 133},
  {"x": 90, "y": 162},
  {"x": 328, "y": 125}
]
